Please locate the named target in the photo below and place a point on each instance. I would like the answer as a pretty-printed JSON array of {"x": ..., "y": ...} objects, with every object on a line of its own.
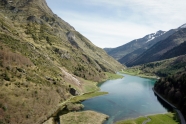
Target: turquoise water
[{"x": 129, "y": 97}]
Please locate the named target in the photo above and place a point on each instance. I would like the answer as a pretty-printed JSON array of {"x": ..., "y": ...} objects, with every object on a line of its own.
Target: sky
[{"x": 112, "y": 23}]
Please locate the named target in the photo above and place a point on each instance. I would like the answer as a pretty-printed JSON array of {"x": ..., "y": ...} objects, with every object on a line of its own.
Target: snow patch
[{"x": 154, "y": 35}]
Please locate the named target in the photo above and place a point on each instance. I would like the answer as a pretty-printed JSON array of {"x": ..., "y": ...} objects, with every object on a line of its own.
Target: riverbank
[
  {"x": 168, "y": 118},
  {"x": 139, "y": 74},
  {"x": 72, "y": 104}
]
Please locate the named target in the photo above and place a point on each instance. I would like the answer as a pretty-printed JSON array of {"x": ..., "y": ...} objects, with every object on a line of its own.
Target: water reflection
[{"x": 164, "y": 104}]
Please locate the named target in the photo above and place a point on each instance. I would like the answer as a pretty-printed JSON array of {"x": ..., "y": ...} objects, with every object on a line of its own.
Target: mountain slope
[
  {"x": 176, "y": 51},
  {"x": 42, "y": 59},
  {"x": 145, "y": 43},
  {"x": 127, "y": 59},
  {"x": 156, "y": 52}
]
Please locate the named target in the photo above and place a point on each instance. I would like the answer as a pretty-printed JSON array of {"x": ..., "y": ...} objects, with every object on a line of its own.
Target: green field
[
  {"x": 112, "y": 76},
  {"x": 168, "y": 118},
  {"x": 87, "y": 96},
  {"x": 137, "y": 72}
]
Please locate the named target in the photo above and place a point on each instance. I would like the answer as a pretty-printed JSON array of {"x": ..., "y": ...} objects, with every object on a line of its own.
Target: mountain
[
  {"x": 176, "y": 51},
  {"x": 163, "y": 49},
  {"x": 127, "y": 59},
  {"x": 127, "y": 52},
  {"x": 108, "y": 49},
  {"x": 44, "y": 61},
  {"x": 182, "y": 26}
]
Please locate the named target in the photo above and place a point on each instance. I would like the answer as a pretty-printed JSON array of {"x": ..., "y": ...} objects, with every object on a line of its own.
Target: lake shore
[
  {"x": 169, "y": 118},
  {"x": 76, "y": 100},
  {"x": 139, "y": 75}
]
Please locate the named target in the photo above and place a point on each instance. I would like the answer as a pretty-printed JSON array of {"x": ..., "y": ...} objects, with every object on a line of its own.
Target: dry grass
[
  {"x": 85, "y": 117},
  {"x": 10, "y": 58},
  {"x": 31, "y": 83}
]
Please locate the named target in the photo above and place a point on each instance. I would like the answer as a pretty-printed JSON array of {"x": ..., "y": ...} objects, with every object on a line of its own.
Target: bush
[{"x": 6, "y": 77}]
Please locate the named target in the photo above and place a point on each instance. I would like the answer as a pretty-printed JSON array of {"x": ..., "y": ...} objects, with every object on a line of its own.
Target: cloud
[
  {"x": 100, "y": 30},
  {"x": 109, "y": 23}
]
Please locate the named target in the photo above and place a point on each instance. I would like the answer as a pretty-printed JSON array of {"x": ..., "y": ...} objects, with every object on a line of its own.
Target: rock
[
  {"x": 34, "y": 19},
  {"x": 14, "y": 9},
  {"x": 74, "y": 92},
  {"x": 72, "y": 39}
]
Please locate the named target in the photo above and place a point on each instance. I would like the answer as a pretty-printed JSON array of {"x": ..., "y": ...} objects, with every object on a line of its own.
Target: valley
[
  {"x": 164, "y": 61},
  {"x": 50, "y": 72}
]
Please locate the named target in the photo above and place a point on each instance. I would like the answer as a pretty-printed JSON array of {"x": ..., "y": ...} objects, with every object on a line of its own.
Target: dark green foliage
[
  {"x": 163, "y": 68},
  {"x": 173, "y": 88}
]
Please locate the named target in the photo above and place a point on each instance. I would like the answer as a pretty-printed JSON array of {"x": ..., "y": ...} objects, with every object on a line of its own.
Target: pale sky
[{"x": 112, "y": 23}]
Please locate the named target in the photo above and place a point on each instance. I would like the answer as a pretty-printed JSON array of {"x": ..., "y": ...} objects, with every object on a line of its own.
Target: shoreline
[
  {"x": 142, "y": 76},
  {"x": 143, "y": 118},
  {"x": 181, "y": 117}
]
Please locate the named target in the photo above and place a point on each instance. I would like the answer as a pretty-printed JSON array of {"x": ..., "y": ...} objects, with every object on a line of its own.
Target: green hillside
[
  {"x": 42, "y": 59},
  {"x": 164, "y": 68}
]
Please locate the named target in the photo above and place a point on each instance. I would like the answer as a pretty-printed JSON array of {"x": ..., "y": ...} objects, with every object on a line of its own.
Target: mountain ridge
[
  {"x": 155, "y": 52},
  {"x": 127, "y": 52}
]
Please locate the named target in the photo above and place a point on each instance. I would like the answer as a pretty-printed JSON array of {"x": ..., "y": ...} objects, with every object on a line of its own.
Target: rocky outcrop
[
  {"x": 34, "y": 19},
  {"x": 72, "y": 39}
]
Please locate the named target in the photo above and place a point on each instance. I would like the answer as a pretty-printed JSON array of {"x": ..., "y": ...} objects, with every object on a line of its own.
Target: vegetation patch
[
  {"x": 112, "y": 76},
  {"x": 138, "y": 72},
  {"x": 133, "y": 121},
  {"x": 162, "y": 68},
  {"x": 173, "y": 89},
  {"x": 87, "y": 96},
  {"x": 85, "y": 117},
  {"x": 168, "y": 118}
]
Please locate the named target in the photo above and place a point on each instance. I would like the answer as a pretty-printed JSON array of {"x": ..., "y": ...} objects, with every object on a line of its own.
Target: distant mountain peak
[
  {"x": 183, "y": 26},
  {"x": 154, "y": 35},
  {"x": 160, "y": 32}
]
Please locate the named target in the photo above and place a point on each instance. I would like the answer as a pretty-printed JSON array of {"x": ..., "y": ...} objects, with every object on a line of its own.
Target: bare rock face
[
  {"x": 34, "y": 19},
  {"x": 72, "y": 39},
  {"x": 73, "y": 91}
]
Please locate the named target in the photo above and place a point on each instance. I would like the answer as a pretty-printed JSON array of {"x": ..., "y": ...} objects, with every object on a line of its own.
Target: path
[
  {"x": 146, "y": 121},
  {"x": 182, "y": 120}
]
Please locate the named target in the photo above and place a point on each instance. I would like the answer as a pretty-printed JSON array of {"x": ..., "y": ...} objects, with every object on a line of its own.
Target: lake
[{"x": 129, "y": 97}]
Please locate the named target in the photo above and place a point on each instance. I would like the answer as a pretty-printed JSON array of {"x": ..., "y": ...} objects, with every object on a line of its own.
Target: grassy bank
[
  {"x": 137, "y": 72},
  {"x": 88, "y": 89},
  {"x": 86, "y": 96},
  {"x": 111, "y": 76},
  {"x": 168, "y": 118}
]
